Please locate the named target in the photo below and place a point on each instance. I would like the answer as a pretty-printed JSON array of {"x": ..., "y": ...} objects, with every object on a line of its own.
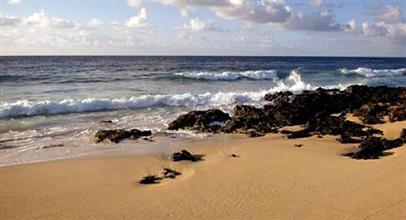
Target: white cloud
[
  {"x": 319, "y": 4},
  {"x": 137, "y": 21},
  {"x": 184, "y": 12},
  {"x": 315, "y": 3},
  {"x": 267, "y": 11},
  {"x": 14, "y": 2},
  {"x": 9, "y": 21},
  {"x": 41, "y": 20},
  {"x": 323, "y": 21},
  {"x": 388, "y": 23},
  {"x": 198, "y": 25},
  {"x": 94, "y": 23},
  {"x": 134, "y": 3},
  {"x": 390, "y": 14}
]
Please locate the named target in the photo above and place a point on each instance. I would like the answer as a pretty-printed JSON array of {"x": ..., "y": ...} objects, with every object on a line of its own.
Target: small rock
[
  {"x": 185, "y": 155},
  {"x": 234, "y": 155},
  {"x": 117, "y": 135},
  {"x": 151, "y": 179},
  {"x": 298, "y": 145},
  {"x": 169, "y": 173}
]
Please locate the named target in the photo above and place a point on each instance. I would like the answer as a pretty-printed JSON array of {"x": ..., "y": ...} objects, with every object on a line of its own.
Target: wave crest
[
  {"x": 25, "y": 108},
  {"x": 372, "y": 73},
  {"x": 230, "y": 75}
]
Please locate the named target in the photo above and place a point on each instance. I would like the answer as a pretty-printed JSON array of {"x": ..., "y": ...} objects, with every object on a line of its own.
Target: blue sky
[{"x": 204, "y": 27}]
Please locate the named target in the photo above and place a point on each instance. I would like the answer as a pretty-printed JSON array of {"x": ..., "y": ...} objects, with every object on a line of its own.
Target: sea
[{"x": 51, "y": 106}]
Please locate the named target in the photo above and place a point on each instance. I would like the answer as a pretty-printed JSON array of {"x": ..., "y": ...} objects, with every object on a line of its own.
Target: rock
[
  {"x": 249, "y": 117},
  {"x": 313, "y": 108},
  {"x": 334, "y": 125},
  {"x": 169, "y": 173},
  {"x": 254, "y": 133},
  {"x": 298, "y": 134},
  {"x": 403, "y": 135},
  {"x": 373, "y": 147},
  {"x": 204, "y": 121},
  {"x": 345, "y": 138},
  {"x": 106, "y": 121},
  {"x": 135, "y": 133},
  {"x": 185, "y": 155},
  {"x": 372, "y": 113},
  {"x": 370, "y": 148},
  {"x": 389, "y": 144},
  {"x": 234, "y": 155},
  {"x": 151, "y": 179},
  {"x": 397, "y": 113},
  {"x": 117, "y": 135},
  {"x": 298, "y": 145}
]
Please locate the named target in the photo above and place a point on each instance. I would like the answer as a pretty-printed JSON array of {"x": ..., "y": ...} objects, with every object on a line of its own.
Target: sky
[{"x": 204, "y": 27}]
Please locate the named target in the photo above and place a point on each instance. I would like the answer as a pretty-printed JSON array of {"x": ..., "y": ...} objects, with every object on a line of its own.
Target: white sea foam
[
  {"x": 231, "y": 75},
  {"x": 372, "y": 73},
  {"x": 30, "y": 108}
]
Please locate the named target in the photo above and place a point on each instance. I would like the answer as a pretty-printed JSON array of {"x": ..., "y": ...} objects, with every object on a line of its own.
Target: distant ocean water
[{"x": 61, "y": 100}]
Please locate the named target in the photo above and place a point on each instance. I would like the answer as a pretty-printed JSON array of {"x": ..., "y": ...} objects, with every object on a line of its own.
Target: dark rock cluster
[
  {"x": 117, "y": 135},
  {"x": 320, "y": 112},
  {"x": 312, "y": 108},
  {"x": 374, "y": 147},
  {"x": 166, "y": 174}
]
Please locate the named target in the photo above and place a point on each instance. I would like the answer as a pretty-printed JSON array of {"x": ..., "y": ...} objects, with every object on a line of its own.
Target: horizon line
[{"x": 168, "y": 55}]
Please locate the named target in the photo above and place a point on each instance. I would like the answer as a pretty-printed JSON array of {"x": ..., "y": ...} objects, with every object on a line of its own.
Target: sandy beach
[{"x": 270, "y": 179}]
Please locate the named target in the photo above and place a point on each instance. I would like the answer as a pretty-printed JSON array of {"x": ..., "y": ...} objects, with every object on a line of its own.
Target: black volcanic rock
[
  {"x": 345, "y": 138},
  {"x": 204, "y": 121},
  {"x": 185, "y": 155},
  {"x": 397, "y": 113},
  {"x": 117, "y": 135},
  {"x": 371, "y": 148},
  {"x": 313, "y": 109},
  {"x": 169, "y": 173},
  {"x": 403, "y": 135},
  {"x": 151, "y": 179}
]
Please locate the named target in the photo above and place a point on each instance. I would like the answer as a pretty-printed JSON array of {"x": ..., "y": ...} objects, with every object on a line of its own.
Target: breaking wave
[
  {"x": 25, "y": 108},
  {"x": 230, "y": 75},
  {"x": 372, "y": 73}
]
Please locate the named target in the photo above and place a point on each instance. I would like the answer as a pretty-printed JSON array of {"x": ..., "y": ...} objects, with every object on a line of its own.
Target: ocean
[{"x": 51, "y": 106}]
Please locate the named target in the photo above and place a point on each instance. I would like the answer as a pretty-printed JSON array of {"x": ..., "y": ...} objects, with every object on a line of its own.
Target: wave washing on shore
[
  {"x": 371, "y": 73},
  {"x": 47, "y": 107},
  {"x": 61, "y": 101}
]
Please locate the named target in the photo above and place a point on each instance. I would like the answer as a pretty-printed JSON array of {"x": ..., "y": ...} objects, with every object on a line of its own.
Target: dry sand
[{"x": 271, "y": 179}]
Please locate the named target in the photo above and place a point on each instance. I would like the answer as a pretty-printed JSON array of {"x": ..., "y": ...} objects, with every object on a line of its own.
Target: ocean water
[{"x": 61, "y": 101}]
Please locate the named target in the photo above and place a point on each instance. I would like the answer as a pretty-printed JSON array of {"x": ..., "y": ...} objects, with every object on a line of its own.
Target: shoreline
[{"x": 270, "y": 178}]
